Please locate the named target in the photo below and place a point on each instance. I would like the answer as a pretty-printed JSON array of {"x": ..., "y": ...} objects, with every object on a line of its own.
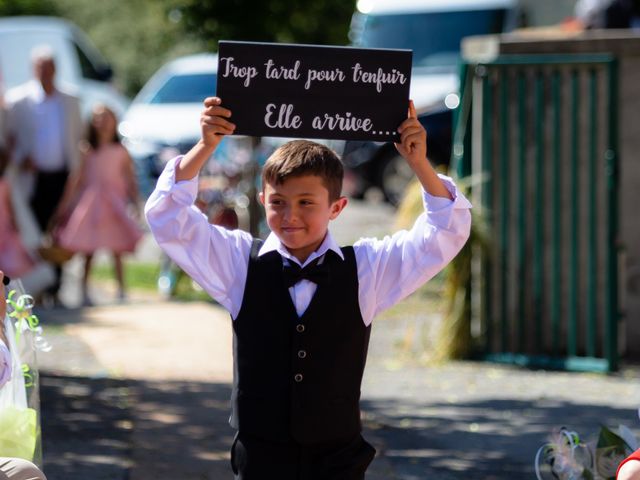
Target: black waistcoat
[{"x": 299, "y": 378}]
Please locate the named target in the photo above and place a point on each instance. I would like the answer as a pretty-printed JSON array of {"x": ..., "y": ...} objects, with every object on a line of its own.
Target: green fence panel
[{"x": 549, "y": 178}]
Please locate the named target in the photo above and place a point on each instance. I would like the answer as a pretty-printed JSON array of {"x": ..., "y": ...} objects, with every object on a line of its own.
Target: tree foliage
[
  {"x": 138, "y": 36},
  {"x": 300, "y": 21},
  {"x": 10, "y": 8}
]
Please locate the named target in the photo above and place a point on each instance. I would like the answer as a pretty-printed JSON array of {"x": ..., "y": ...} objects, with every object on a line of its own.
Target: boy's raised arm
[
  {"x": 213, "y": 126},
  {"x": 413, "y": 147}
]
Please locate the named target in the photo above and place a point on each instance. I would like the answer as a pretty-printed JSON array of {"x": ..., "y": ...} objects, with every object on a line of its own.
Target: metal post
[
  {"x": 505, "y": 202},
  {"x": 522, "y": 209},
  {"x": 487, "y": 201},
  {"x": 538, "y": 208},
  {"x": 592, "y": 240},
  {"x": 460, "y": 153},
  {"x": 572, "y": 328},
  {"x": 611, "y": 158},
  {"x": 556, "y": 227}
]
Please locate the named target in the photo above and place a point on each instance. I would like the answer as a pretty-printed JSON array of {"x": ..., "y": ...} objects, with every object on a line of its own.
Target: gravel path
[{"x": 141, "y": 391}]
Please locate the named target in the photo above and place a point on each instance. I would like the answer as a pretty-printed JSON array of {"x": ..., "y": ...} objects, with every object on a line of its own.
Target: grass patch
[
  {"x": 143, "y": 276},
  {"x": 137, "y": 276}
]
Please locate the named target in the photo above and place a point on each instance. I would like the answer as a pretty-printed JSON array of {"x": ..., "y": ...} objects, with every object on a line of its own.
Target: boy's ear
[
  {"x": 337, "y": 207},
  {"x": 261, "y": 197}
]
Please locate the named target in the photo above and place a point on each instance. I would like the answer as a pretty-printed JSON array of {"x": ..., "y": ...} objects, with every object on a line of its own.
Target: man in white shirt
[
  {"x": 45, "y": 128},
  {"x": 11, "y": 468}
]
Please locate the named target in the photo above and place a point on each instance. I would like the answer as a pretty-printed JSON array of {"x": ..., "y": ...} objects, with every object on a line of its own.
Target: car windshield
[
  {"x": 192, "y": 88},
  {"x": 434, "y": 37}
]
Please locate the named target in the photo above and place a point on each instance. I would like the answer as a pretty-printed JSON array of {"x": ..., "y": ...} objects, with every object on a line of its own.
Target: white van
[{"x": 81, "y": 69}]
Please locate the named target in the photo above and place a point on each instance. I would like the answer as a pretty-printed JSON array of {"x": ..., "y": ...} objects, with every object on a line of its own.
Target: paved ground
[{"x": 140, "y": 391}]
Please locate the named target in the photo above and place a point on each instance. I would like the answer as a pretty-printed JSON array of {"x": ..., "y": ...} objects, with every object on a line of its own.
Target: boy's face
[{"x": 299, "y": 211}]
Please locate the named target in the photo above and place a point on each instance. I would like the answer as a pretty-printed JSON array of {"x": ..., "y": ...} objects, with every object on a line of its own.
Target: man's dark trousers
[{"x": 49, "y": 188}]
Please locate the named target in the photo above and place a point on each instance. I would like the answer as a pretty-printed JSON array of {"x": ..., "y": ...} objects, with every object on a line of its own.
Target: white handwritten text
[
  {"x": 239, "y": 72},
  {"x": 378, "y": 78}
]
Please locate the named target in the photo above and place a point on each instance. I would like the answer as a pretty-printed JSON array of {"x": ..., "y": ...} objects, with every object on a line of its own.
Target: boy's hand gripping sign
[{"x": 277, "y": 90}]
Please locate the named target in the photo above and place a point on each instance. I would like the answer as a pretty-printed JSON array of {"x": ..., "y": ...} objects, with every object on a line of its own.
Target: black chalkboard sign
[{"x": 309, "y": 91}]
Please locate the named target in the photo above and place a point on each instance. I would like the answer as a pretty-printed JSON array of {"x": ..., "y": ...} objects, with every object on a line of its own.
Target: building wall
[{"x": 547, "y": 12}]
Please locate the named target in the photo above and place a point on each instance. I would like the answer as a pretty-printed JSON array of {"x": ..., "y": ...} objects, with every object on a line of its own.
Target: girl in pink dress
[
  {"x": 15, "y": 260},
  {"x": 94, "y": 206}
]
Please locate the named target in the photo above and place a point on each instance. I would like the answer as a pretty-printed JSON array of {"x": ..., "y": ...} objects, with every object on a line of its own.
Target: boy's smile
[{"x": 298, "y": 212}]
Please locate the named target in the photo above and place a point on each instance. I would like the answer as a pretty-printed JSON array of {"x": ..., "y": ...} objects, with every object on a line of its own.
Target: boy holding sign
[{"x": 302, "y": 306}]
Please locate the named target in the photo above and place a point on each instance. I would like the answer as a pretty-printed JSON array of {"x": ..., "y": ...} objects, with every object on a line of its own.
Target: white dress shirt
[
  {"x": 51, "y": 144},
  {"x": 48, "y": 146},
  {"x": 389, "y": 269}
]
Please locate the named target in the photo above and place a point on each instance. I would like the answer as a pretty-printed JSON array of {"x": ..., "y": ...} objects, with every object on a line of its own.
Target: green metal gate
[{"x": 538, "y": 136}]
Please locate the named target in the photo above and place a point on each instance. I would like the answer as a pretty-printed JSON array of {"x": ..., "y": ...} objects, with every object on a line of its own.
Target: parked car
[
  {"x": 80, "y": 68},
  {"x": 433, "y": 29},
  {"x": 164, "y": 120}
]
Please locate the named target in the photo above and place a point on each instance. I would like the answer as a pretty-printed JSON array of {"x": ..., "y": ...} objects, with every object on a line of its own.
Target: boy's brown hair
[{"x": 303, "y": 157}]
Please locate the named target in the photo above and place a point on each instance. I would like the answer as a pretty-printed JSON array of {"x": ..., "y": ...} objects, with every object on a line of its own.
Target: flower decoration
[
  {"x": 25, "y": 319},
  {"x": 20, "y": 309},
  {"x": 566, "y": 457}
]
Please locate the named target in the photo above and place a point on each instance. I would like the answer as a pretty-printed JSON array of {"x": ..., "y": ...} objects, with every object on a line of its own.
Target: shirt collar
[
  {"x": 273, "y": 243},
  {"x": 38, "y": 93}
]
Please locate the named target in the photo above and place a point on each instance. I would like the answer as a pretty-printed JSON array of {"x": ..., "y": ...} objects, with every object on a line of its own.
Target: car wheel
[{"x": 395, "y": 175}]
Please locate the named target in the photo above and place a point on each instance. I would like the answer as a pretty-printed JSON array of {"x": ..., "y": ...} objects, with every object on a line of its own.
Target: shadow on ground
[
  {"x": 86, "y": 427},
  {"x": 182, "y": 431},
  {"x": 139, "y": 430},
  {"x": 105, "y": 429},
  {"x": 484, "y": 440}
]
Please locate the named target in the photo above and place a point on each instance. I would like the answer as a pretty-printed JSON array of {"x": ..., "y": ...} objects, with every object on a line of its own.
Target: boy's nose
[{"x": 289, "y": 213}]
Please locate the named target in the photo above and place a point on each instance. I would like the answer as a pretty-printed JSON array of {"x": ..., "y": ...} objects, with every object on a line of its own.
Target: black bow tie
[{"x": 314, "y": 272}]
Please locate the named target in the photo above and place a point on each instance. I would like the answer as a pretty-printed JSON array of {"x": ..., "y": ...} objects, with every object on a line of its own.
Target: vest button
[
  {"x": 298, "y": 377},
  {"x": 300, "y": 328},
  {"x": 302, "y": 354}
]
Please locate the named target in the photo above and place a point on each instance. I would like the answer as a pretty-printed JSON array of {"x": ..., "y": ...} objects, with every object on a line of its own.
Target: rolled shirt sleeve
[{"x": 391, "y": 268}]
